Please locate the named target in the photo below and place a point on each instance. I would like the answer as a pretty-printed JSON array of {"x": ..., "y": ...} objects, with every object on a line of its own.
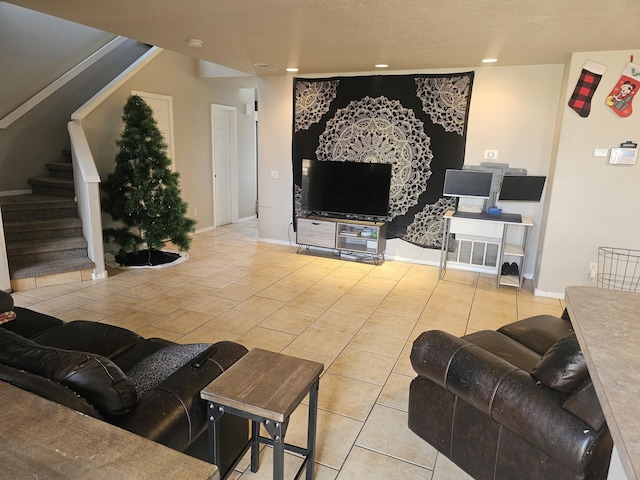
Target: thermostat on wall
[{"x": 626, "y": 154}]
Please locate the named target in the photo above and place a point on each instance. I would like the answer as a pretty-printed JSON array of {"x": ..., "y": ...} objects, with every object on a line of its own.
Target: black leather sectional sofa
[
  {"x": 150, "y": 387},
  {"x": 517, "y": 403}
]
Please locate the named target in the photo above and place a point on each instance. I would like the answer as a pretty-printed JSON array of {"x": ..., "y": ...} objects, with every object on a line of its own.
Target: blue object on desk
[{"x": 494, "y": 211}]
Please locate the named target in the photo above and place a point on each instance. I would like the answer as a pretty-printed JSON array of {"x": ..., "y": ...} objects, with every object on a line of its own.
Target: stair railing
[
  {"x": 5, "y": 279},
  {"x": 85, "y": 172}
]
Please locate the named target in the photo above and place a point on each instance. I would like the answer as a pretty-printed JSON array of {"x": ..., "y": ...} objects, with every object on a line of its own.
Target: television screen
[
  {"x": 467, "y": 183},
  {"x": 346, "y": 188},
  {"x": 524, "y": 188}
]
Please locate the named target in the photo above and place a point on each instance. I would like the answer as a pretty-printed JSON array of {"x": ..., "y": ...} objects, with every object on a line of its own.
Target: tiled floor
[{"x": 359, "y": 320}]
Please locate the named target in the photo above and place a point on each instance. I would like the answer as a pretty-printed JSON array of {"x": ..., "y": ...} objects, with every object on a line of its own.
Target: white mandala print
[
  {"x": 382, "y": 131},
  {"x": 426, "y": 229},
  {"x": 445, "y": 101},
  {"x": 312, "y": 101}
]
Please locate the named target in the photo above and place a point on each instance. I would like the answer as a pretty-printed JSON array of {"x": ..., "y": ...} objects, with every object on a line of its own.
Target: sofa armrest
[
  {"x": 508, "y": 395},
  {"x": 462, "y": 368},
  {"x": 173, "y": 413}
]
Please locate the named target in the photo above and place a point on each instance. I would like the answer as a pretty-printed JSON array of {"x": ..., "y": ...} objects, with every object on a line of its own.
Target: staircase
[{"x": 43, "y": 232}]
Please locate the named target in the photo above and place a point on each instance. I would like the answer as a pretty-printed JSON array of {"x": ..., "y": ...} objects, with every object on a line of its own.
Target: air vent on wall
[{"x": 266, "y": 66}]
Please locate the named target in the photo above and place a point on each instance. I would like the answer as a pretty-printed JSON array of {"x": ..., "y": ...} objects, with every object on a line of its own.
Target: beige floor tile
[
  {"x": 460, "y": 276},
  {"x": 386, "y": 431},
  {"x": 447, "y": 470},
  {"x": 235, "y": 291},
  {"x": 100, "y": 290},
  {"x": 163, "y": 304},
  {"x": 321, "y": 341},
  {"x": 339, "y": 322},
  {"x": 146, "y": 291},
  {"x": 347, "y": 396},
  {"x": 403, "y": 365},
  {"x": 211, "y": 305},
  {"x": 149, "y": 331},
  {"x": 353, "y": 306},
  {"x": 379, "y": 341},
  {"x": 216, "y": 280},
  {"x": 131, "y": 319},
  {"x": 282, "y": 292},
  {"x": 366, "y": 366},
  {"x": 335, "y": 437},
  {"x": 257, "y": 281},
  {"x": 395, "y": 393},
  {"x": 234, "y": 321},
  {"x": 314, "y": 357},
  {"x": 259, "y": 306},
  {"x": 81, "y": 314},
  {"x": 206, "y": 334},
  {"x": 111, "y": 305},
  {"x": 59, "y": 305},
  {"x": 528, "y": 309},
  {"x": 364, "y": 463},
  {"x": 266, "y": 339},
  {"x": 181, "y": 321},
  {"x": 288, "y": 321},
  {"x": 366, "y": 294}
]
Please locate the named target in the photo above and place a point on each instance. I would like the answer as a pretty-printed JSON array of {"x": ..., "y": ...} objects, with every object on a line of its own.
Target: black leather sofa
[
  {"x": 150, "y": 387},
  {"x": 517, "y": 403}
]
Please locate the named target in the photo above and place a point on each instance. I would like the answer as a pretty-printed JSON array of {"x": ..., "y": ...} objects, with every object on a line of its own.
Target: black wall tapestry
[{"x": 418, "y": 123}]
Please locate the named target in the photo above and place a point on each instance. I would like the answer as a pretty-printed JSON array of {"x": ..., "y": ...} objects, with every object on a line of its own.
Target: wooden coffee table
[{"x": 266, "y": 387}]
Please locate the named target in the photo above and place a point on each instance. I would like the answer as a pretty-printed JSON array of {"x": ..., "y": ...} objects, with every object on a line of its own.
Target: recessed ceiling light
[
  {"x": 489, "y": 60},
  {"x": 292, "y": 69},
  {"x": 382, "y": 65},
  {"x": 195, "y": 43}
]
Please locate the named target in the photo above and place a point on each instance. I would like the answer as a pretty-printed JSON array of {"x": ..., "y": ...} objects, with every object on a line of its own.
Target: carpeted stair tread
[
  {"x": 48, "y": 224},
  {"x": 23, "y": 208},
  {"x": 29, "y": 247},
  {"x": 52, "y": 186},
  {"x": 50, "y": 267},
  {"x": 60, "y": 170}
]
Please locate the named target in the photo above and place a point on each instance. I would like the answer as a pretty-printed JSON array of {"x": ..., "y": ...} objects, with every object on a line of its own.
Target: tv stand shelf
[{"x": 349, "y": 236}]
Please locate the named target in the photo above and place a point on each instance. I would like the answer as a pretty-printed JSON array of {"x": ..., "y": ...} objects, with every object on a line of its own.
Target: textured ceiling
[{"x": 329, "y": 36}]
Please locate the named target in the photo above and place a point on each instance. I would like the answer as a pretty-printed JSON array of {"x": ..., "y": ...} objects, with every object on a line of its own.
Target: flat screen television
[
  {"x": 523, "y": 188},
  {"x": 467, "y": 183},
  {"x": 335, "y": 188}
]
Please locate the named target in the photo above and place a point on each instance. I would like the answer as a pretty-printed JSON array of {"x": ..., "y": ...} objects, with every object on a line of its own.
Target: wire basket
[{"x": 619, "y": 269}]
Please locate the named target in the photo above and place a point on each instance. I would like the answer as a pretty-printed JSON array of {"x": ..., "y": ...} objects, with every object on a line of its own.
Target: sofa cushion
[
  {"x": 152, "y": 370},
  {"x": 563, "y": 366},
  {"x": 584, "y": 404},
  {"x": 93, "y": 377},
  {"x": 539, "y": 333}
]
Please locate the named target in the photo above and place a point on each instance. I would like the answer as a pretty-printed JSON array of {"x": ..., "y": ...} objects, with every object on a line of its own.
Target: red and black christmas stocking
[
  {"x": 620, "y": 97},
  {"x": 590, "y": 77}
]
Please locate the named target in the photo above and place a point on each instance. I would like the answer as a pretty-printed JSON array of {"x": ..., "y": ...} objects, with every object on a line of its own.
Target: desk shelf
[{"x": 490, "y": 235}]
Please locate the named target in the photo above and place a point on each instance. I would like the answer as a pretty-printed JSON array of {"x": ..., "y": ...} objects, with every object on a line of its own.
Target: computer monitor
[
  {"x": 467, "y": 183},
  {"x": 522, "y": 188}
]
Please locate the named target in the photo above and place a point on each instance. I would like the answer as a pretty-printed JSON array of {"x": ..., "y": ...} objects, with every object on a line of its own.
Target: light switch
[
  {"x": 274, "y": 174},
  {"x": 600, "y": 152}
]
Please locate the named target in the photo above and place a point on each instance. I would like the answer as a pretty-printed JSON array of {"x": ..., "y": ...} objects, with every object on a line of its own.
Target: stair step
[
  {"x": 57, "y": 246},
  {"x": 41, "y": 229},
  {"x": 52, "y": 186},
  {"x": 24, "y": 208},
  {"x": 60, "y": 170},
  {"x": 50, "y": 267}
]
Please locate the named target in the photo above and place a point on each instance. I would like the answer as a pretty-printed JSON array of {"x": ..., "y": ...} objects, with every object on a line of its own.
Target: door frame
[{"x": 233, "y": 160}]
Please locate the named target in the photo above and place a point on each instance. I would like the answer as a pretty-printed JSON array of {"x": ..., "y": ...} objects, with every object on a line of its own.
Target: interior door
[
  {"x": 162, "y": 107},
  {"x": 223, "y": 119}
]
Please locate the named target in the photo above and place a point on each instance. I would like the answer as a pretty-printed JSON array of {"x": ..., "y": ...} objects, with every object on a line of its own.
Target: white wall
[
  {"x": 592, "y": 203},
  {"x": 513, "y": 110}
]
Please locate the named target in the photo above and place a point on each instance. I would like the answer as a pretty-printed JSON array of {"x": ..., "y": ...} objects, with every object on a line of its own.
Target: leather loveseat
[
  {"x": 517, "y": 403},
  {"x": 150, "y": 387}
]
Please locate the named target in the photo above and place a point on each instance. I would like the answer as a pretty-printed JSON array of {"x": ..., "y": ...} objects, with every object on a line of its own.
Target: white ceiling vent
[{"x": 266, "y": 66}]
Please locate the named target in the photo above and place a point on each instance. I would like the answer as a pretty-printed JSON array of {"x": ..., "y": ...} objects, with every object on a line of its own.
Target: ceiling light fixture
[
  {"x": 292, "y": 69},
  {"x": 195, "y": 43},
  {"x": 381, "y": 65},
  {"x": 489, "y": 60}
]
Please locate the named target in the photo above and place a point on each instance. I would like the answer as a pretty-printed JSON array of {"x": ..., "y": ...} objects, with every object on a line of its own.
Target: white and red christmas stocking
[{"x": 622, "y": 94}]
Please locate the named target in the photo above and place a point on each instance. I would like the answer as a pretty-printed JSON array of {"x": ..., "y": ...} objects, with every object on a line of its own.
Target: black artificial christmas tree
[{"x": 143, "y": 193}]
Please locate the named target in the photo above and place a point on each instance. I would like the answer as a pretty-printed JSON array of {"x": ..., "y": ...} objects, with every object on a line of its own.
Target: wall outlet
[{"x": 593, "y": 270}]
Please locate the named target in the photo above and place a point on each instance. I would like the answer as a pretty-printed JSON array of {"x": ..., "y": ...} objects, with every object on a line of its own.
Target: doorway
[{"x": 225, "y": 170}]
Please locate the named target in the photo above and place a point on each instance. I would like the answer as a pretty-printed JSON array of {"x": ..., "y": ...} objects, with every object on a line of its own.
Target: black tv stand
[{"x": 502, "y": 217}]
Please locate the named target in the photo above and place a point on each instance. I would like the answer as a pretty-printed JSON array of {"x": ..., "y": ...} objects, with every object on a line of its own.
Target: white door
[
  {"x": 224, "y": 164},
  {"x": 162, "y": 107}
]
